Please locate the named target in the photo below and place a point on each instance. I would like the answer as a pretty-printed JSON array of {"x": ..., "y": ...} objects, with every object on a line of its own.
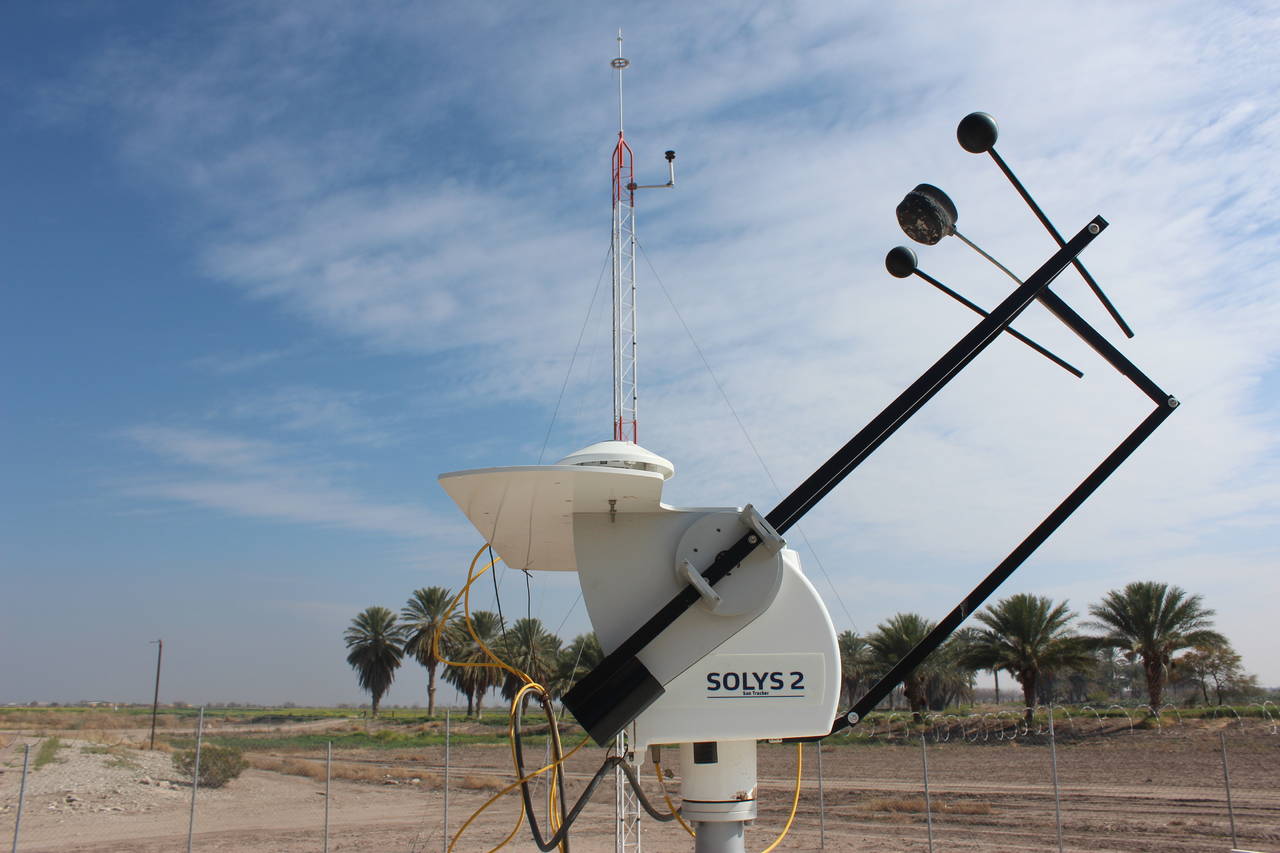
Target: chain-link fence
[{"x": 1096, "y": 779}]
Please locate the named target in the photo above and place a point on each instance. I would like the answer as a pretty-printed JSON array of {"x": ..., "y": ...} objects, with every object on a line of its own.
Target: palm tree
[
  {"x": 1028, "y": 637},
  {"x": 857, "y": 665},
  {"x": 461, "y": 648},
  {"x": 423, "y": 616},
  {"x": 531, "y": 648},
  {"x": 1151, "y": 622},
  {"x": 891, "y": 641},
  {"x": 375, "y": 641},
  {"x": 947, "y": 676},
  {"x": 576, "y": 660}
]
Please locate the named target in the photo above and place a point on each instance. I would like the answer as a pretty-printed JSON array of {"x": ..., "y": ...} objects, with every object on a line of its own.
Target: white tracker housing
[{"x": 755, "y": 659}]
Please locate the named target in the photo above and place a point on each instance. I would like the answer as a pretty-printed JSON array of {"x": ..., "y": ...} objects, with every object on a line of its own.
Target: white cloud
[
  {"x": 458, "y": 213},
  {"x": 256, "y": 479},
  {"x": 234, "y": 363},
  {"x": 333, "y": 415}
]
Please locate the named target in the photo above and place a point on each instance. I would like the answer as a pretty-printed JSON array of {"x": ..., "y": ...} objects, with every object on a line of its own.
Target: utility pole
[{"x": 155, "y": 701}]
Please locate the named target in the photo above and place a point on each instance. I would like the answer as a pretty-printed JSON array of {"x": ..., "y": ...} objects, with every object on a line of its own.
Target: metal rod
[
  {"x": 1084, "y": 331},
  {"x": 155, "y": 701},
  {"x": 1104, "y": 348},
  {"x": 619, "y": 793},
  {"x": 619, "y": 688},
  {"x": 1053, "y": 761},
  {"x": 1226, "y": 778},
  {"x": 928, "y": 805},
  {"x": 22, "y": 794},
  {"x": 981, "y": 251},
  {"x": 195, "y": 778},
  {"x": 1001, "y": 572},
  {"x": 822, "y": 481},
  {"x": 1044, "y": 220},
  {"x": 444, "y": 844},
  {"x": 973, "y": 307},
  {"x": 822, "y": 804},
  {"x": 328, "y": 778}
]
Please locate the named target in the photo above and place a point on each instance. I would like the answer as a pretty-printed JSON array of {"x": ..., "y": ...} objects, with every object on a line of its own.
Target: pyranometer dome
[{"x": 621, "y": 454}]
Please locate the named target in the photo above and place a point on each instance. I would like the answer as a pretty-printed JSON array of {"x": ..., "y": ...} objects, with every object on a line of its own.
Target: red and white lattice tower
[{"x": 625, "y": 397}]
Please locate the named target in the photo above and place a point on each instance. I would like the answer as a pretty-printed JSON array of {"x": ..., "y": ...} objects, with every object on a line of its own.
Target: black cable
[
  {"x": 497, "y": 597},
  {"x": 561, "y": 835}
]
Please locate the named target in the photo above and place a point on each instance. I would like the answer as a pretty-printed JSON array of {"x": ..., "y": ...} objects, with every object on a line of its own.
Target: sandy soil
[{"x": 1146, "y": 791}]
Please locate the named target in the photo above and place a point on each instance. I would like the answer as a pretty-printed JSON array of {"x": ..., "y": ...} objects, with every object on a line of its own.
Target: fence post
[
  {"x": 1226, "y": 778},
  {"x": 928, "y": 806},
  {"x": 1053, "y": 760},
  {"x": 444, "y": 842},
  {"x": 195, "y": 778},
  {"x": 22, "y": 793},
  {"x": 822, "y": 804},
  {"x": 328, "y": 776}
]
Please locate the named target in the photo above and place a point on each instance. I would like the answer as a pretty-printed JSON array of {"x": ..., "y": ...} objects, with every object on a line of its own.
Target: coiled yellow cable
[{"x": 529, "y": 686}]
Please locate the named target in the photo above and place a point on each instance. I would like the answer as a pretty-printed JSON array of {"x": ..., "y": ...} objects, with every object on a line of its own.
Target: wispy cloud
[
  {"x": 256, "y": 479},
  {"x": 454, "y": 211},
  {"x": 234, "y": 363},
  {"x": 333, "y": 415}
]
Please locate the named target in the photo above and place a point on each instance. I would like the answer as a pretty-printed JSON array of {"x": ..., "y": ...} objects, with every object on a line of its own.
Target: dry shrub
[
  {"x": 289, "y": 766},
  {"x": 912, "y": 805},
  {"x": 218, "y": 764},
  {"x": 99, "y": 720},
  {"x": 483, "y": 782},
  {"x": 967, "y": 807},
  {"x": 350, "y": 771},
  {"x": 915, "y": 805},
  {"x": 425, "y": 778},
  {"x": 105, "y": 738}
]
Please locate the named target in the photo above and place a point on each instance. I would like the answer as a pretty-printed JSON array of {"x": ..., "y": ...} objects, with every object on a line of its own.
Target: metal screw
[
  {"x": 853, "y": 718},
  {"x": 1093, "y": 228},
  {"x": 753, "y": 539}
]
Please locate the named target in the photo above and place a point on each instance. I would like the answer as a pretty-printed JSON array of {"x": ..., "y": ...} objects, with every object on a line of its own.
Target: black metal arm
[{"x": 620, "y": 688}]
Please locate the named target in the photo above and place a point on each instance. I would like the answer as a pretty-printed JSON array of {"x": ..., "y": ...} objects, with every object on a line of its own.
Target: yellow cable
[
  {"x": 662, "y": 785},
  {"x": 555, "y": 817},
  {"x": 511, "y": 788},
  {"x": 529, "y": 686},
  {"x": 464, "y": 596},
  {"x": 794, "y": 802}
]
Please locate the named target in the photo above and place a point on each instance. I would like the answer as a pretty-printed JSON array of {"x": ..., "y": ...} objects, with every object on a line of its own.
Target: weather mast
[{"x": 623, "y": 256}]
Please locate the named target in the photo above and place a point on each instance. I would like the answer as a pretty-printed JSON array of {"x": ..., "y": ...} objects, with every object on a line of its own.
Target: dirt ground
[{"x": 1154, "y": 790}]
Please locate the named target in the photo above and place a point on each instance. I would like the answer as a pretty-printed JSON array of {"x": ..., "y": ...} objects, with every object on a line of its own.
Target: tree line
[
  {"x": 1130, "y": 645},
  {"x": 378, "y": 642},
  {"x": 1142, "y": 637}
]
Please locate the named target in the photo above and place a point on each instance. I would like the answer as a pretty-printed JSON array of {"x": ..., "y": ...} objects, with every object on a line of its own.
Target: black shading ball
[
  {"x": 927, "y": 214},
  {"x": 977, "y": 133},
  {"x": 900, "y": 262}
]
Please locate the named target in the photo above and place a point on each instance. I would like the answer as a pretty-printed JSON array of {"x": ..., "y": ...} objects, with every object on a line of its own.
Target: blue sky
[{"x": 268, "y": 269}]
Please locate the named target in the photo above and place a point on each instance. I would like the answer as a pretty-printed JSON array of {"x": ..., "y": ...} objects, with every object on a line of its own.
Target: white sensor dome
[{"x": 620, "y": 454}]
